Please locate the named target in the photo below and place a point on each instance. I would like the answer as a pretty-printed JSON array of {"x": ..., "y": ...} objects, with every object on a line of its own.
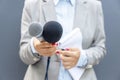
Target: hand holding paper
[{"x": 73, "y": 40}]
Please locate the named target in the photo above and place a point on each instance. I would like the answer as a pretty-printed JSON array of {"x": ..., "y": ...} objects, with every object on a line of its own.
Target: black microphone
[{"x": 51, "y": 31}]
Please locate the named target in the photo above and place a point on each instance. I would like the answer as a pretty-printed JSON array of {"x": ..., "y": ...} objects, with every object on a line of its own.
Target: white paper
[
  {"x": 76, "y": 73},
  {"x": 73, "y": 40}
]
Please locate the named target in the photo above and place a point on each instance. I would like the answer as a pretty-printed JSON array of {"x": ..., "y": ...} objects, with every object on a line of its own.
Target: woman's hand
[
  {"x": 69, "y": 57},
  {"x": 44, "y": 48}
]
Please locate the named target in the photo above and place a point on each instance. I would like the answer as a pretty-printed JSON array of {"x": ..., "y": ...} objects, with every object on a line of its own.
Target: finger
[
  {"x": 48, "y": 50},
  {"x": 51, "y": 44},
  {"x": 58, "y": 51},
  {"x": 42, "y": 41},
  {"x": 65, "y": 58},
  {"x": 52, "y": 50},
  {"x": 46, "y": 44},
  {"x": 67, "y": 67},
  {"x": 66, "y": 63},
  {"x": 74, "y": 49},
  {"x": 46, "y": 54},
  {"x": 66, "y": 53},
  {"x": 43, "y": 53},
  {"x": 40, "y": 44},
  {"x": 45, "y": 47}
]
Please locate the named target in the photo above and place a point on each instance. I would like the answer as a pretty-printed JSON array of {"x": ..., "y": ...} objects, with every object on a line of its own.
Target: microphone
[
  {"x": 51, "y": 31},
  {"x": 35, "y": 29}
]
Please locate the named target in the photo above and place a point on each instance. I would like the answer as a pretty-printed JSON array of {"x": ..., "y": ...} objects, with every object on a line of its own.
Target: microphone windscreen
[
  {"x": 35, "y": 29},
  {"x": 52, "y": 31}
]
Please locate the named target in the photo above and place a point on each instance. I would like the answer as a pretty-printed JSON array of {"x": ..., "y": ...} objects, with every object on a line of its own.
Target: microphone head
[
  {"x": 52, "y": 31},
  {"x": 35, "y": 29}
]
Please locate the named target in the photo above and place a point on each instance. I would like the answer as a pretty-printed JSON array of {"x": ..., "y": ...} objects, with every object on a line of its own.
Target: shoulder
[
  {"x": 32, "y": 2},
  {"x": 94, "y": 2}
]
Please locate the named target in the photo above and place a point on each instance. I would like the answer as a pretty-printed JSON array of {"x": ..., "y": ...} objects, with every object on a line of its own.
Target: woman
[{"x": 84, "y": 14}]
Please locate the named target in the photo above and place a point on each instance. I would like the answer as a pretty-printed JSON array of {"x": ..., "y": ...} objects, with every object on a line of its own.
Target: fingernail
[
  {"x": 56, "y": 44},
  {"x": 67, "y": 49},
  {"x": 53, "y": 44},
  {"x": 57, "y": 52}
]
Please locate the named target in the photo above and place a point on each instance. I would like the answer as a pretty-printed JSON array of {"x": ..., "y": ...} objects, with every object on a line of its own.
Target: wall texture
[
  {"x": 11, "y": 67},
  {"x": 108, "y": 69}
]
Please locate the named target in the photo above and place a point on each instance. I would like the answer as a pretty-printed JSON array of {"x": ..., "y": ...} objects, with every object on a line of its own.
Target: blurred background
[{"x": 12, "y": 68}]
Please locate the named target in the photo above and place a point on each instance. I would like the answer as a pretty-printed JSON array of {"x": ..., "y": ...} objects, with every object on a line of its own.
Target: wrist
[
  {"x": 33, "y": 47},
  {"x": 82, "y": 61}
]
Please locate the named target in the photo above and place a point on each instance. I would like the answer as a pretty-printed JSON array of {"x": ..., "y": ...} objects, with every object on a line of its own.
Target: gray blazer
[{"x": 88, "y": 17}]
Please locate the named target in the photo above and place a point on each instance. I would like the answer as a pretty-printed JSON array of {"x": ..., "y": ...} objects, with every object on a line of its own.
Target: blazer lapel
[
  {"x": 49, "y": 11},
  {"x": 80, "y": 14}
]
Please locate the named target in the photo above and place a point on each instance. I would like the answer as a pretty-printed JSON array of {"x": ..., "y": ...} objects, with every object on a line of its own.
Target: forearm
[
  {"x": 25, "y": 49},
  {"x": 94, "y": 55},
  {"x": 97, "y": 50}
]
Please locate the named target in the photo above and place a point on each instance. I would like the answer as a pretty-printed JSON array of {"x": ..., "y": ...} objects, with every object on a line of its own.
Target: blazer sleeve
[
  {"x": 97, "y": 51},
  {"x": 25, "y": 52}
]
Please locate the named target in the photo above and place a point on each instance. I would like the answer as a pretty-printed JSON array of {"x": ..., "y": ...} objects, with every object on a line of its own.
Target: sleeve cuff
[
  {"x": 34, "y": 52},
  {"x": 82, "y": 62},
  {"x": 32, "y": 46}
]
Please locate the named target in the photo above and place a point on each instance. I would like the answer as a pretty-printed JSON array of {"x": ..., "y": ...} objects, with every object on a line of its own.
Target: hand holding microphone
[{"x": 50, "y": 33}]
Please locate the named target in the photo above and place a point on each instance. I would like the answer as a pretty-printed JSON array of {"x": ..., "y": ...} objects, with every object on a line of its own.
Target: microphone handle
[{"x": 48, "y": 63}]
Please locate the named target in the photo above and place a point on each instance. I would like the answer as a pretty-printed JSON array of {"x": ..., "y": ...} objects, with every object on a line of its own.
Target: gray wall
[
  {"x": 109, "y": 68},
  {"x": 11, "y": 67}
]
